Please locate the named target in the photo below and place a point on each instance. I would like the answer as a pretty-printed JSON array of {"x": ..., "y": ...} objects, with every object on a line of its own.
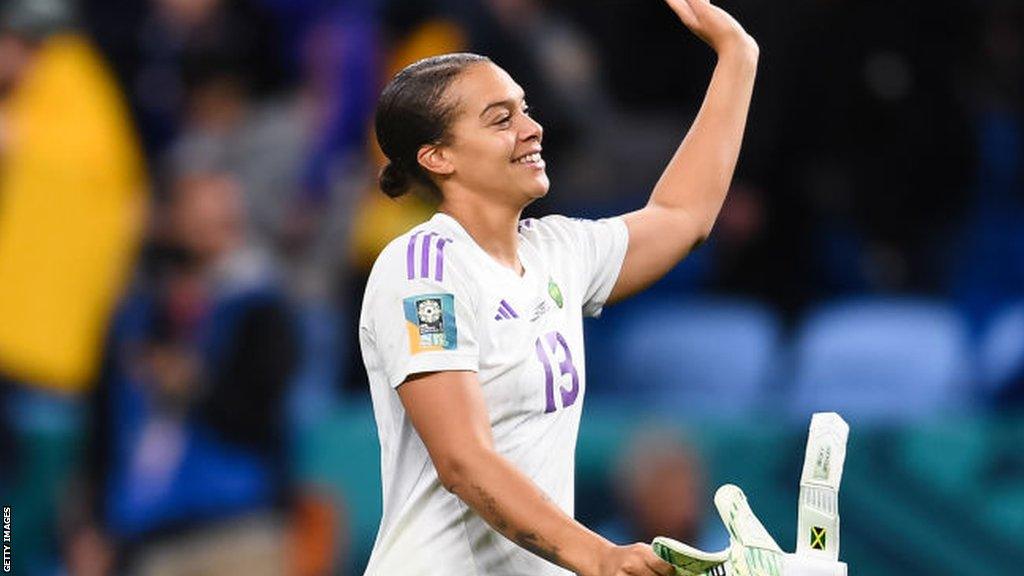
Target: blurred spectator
[
  {"x": 343, "y": 64},
  {"x": 659, "y": 480},
  {"x": 189, "y": 468},
  {"x": 165, "y": 49},
  {"x": 71, "y": 189}
]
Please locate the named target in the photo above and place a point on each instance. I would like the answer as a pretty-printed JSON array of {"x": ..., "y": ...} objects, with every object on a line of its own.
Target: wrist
[
  {"x": 739, "y": 48},
  {"x": 591, "y": 562}
]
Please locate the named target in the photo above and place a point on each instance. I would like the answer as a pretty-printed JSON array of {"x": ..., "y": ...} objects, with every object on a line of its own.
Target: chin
[{"x": 540, "y": 188}]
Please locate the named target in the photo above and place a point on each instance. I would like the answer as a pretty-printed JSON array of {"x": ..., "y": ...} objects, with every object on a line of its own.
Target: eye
[{"x": 503, "y": 120}]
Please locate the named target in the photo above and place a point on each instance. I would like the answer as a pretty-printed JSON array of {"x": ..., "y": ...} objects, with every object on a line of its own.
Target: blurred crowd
[{"x": 188, "y": 211}]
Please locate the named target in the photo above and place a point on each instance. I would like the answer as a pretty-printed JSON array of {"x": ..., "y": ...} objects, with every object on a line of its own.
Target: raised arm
[
  {"x": 687, "y": 198},
  {"x": 448, "y": 411}
]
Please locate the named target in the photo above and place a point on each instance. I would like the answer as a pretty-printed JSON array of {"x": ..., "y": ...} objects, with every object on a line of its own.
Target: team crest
[
  {"x": 430, "y": 321},
  {"x": 555, "y": 292}
]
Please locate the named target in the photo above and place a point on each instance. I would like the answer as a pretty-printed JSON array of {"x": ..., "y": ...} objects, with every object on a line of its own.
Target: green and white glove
[{"x": 751, "y": 551}]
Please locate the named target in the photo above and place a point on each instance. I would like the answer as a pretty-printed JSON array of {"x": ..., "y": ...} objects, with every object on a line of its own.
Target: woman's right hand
[
  {"x": 713, "y": 25},
  {"x": 633, "y": 560}
]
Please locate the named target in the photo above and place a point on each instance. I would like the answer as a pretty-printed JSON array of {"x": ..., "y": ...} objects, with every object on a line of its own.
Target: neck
[{"x": 493, "y": 226}]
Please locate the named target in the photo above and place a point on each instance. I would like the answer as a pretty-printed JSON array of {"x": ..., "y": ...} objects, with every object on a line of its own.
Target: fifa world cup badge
[
  {"x": 431, "y": 322},
  {"x": 428, "y": 311}
]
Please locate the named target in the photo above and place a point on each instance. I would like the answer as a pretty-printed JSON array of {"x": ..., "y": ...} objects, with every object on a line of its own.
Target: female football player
[{"x": 471, "y": 325}]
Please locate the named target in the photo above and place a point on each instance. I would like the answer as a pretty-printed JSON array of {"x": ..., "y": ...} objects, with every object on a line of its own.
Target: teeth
[{"x": 529, "y": 158}]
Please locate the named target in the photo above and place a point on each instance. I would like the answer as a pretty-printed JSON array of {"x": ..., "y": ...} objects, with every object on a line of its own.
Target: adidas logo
[{"x": 505, "y": 312}]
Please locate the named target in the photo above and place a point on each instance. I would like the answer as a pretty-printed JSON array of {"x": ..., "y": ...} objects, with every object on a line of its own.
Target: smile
[{"x": 533, "y": 158}]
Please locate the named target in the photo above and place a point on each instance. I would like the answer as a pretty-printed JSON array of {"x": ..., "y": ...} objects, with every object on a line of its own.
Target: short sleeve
[
  {"x": 423, "y": 324},
  {"x": 599, "y": 246}
]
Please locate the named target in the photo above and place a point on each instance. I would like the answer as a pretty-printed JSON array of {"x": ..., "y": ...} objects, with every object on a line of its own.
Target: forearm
[
  {"x": 514, "y": 506},
  {"x": 697, "y": 178},
  {"x": 688, "y": 196}
]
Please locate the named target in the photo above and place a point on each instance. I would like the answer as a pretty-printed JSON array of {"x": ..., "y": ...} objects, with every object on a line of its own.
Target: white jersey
[{"x": 437, "y": 301}]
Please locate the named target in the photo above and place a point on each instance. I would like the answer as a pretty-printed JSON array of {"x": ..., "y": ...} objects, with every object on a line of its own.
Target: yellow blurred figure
[{"x": 71, "y": 197}]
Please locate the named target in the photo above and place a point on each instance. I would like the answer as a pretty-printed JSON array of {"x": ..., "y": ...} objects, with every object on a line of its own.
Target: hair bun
[{"x": 393, "y": 180}]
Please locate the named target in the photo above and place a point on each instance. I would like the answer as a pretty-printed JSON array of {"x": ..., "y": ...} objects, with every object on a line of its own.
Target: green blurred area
[{"x": 939, "y": 497}]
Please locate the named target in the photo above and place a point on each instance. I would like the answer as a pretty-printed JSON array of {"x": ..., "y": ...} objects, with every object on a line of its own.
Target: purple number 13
[{"x": 547, "y": 352}]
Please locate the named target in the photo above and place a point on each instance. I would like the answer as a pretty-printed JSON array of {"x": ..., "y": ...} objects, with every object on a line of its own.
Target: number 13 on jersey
[{"x": 552, "y": 350}]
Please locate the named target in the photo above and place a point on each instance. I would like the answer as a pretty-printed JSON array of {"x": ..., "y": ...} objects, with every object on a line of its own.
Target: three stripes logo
[
  {"x": 505, "y": 312},
  {"x": 817, "y": 538},
  {"x": 429, "y": 244}
]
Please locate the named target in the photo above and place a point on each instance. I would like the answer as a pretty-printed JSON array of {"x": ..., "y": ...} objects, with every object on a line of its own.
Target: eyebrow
[{"x": 508, "y": 103}]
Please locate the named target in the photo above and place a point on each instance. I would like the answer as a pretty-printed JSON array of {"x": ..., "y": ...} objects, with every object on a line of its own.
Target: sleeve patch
[{"x": 430, "y": 321}]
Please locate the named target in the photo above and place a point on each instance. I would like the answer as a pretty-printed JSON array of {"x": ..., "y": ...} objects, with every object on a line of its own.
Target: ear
[{"x": 435, "y": 159}]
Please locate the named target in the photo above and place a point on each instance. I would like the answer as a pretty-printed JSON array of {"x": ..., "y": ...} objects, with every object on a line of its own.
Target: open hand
[{"x": 713, "y": 25}]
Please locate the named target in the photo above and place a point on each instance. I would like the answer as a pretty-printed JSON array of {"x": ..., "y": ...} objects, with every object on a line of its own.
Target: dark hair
[{"x": 412, "y": 112}]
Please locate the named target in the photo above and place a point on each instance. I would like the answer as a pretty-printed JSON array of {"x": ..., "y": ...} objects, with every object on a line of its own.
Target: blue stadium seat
[
  {"x": 695, "y": 357},
  {"x": 1001, "y": 350},
  {"x": 882, "y": 359}
]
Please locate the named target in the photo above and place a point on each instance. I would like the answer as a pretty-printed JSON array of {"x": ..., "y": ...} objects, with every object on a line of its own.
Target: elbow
[
  {"x": 451, "y": 473},
  {"x": 702, "y": 233},
  {"x": 455, "y": 470},
  {"x": 691, "y": 227}
]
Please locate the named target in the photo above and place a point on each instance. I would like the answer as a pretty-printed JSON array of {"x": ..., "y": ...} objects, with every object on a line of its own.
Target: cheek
[{"x": 484, "y": 154}]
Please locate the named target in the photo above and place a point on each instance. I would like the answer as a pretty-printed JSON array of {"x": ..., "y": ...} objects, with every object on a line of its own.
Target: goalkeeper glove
[{"x": 751, "y": 551}]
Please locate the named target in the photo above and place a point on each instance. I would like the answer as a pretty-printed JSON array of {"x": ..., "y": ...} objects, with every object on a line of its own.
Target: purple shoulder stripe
[
  {"x": 410, "y": 255},
  {"x": 439, "y": 265},
  {"x": 425, "y": 254},
  {"x": 429, "y": 242}
]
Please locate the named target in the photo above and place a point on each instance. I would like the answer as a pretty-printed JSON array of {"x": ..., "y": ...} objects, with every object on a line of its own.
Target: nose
[{"x": 531, "y": 130}]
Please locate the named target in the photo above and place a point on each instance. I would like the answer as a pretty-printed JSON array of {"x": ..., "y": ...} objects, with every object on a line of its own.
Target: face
[
  {"x": 187, "y": 13},
  {"x": 15, "y": 57},
  {"x": 494, "y": 146},
  {"x": 664, "y": 497},
  {"x": 208, "y": 215}
]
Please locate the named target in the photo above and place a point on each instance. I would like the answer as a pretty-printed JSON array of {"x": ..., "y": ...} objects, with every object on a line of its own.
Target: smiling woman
[
  {"x": 471, "y": 324},
  {"x": 460, "y": 113},
  {"x": 413, "y": 111}
]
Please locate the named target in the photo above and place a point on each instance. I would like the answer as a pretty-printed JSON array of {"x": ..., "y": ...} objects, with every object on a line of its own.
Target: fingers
[
  {"x": 638, "y": 560},
  {"x": 654, "y": 564},
  {"x": 685, "y": 12},
  {"x": 660, "y": 567},
  {"x": 710, "y": 23}
]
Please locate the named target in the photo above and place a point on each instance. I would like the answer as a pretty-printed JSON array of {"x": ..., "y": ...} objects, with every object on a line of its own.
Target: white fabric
[{"x": 528, "y": 353}]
